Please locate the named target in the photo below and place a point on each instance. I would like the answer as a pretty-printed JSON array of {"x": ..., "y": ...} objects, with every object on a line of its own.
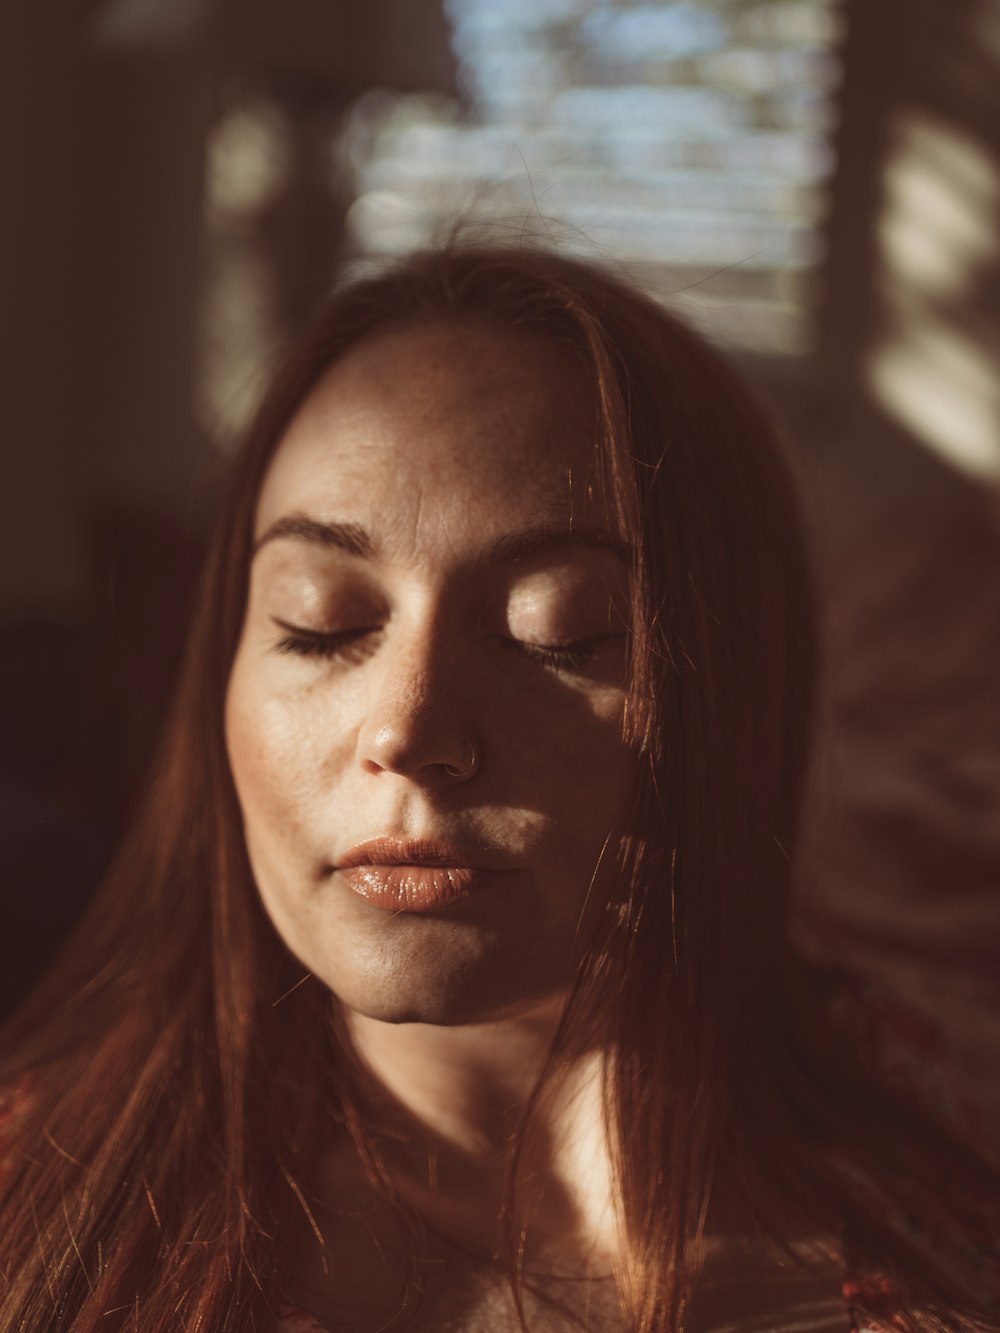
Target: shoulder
[
  {"x": 949, "y": 1211},
  {"x": 880, "y": 1302}
]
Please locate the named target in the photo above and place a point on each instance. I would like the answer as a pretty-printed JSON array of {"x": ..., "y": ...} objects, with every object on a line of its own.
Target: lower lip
[{"x": 411, "y": 888}]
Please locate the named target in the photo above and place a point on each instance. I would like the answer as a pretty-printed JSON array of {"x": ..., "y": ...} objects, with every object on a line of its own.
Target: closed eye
[
  {"x": 574, "y": 656},
  {"x": 302, "y": 642}
]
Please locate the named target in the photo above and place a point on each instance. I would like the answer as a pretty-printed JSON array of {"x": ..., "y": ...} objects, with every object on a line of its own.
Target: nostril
[
  {"x": 466, "y": 769},
  {"x": 387, "y": 748},
  {"x": 434, "y": 750}
]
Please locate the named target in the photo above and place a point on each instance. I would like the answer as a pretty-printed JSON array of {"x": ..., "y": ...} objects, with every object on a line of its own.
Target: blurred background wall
[{"x": 814, "y": 183}]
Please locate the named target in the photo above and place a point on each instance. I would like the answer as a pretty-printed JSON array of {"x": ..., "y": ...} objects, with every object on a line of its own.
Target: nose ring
[{"x": 470, "y": 767}]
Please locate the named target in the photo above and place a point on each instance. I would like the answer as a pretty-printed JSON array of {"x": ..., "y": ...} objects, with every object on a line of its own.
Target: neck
[
  {"x": 448, "y": 1104},
  {"x": 469, "y": 1084}
]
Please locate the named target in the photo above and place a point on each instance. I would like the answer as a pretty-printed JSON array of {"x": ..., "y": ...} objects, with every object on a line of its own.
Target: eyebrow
[
  {"x": 520, "y": 545},
  {"x": 349, "y": 537},
  {"x": 512, "y": 547}
]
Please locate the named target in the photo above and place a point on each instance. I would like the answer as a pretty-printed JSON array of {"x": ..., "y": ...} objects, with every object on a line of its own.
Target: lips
[{"x": 401, "y": 875}]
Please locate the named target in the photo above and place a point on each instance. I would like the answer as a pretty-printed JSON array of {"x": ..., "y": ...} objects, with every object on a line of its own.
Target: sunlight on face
[{"x": 424, "y": 716}]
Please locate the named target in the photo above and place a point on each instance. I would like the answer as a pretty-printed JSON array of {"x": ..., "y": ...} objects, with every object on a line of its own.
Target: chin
[{"x": 448, "y": 996}]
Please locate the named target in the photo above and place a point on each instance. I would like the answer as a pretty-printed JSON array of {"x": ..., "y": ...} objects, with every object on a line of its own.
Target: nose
[{"x": 416, "y": 723}]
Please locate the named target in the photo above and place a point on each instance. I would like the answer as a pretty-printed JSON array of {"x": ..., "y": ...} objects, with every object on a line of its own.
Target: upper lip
[{"x": 395, "y": 851}]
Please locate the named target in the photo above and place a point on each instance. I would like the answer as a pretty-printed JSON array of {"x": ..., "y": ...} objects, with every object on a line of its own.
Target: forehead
[{"x": 438, "y": 428}]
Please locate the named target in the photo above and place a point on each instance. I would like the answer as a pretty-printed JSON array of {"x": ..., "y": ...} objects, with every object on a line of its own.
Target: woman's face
[{"x": 424, "y": 716}]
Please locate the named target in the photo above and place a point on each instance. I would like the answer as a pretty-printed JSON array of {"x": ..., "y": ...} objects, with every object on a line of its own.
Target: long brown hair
[{"x": 179, "y": 1072}]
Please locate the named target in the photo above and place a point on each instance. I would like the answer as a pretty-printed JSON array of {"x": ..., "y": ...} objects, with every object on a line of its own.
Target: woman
[{"x": 445, "y": 980}]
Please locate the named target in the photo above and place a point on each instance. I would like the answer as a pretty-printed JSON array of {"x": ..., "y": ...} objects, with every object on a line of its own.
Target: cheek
[
  {"x": 574, "y": 742},
  {"x": 572, "y": 766},
  {"x": 274, "y": 759}
]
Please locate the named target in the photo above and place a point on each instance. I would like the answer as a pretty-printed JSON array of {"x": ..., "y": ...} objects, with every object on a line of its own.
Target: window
[{"x": 690, "y": 141}]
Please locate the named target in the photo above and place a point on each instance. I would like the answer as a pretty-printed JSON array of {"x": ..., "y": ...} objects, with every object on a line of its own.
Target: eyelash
[
  {"x": 566, "y": 656},
  {"x": 313, "y": 643}
]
